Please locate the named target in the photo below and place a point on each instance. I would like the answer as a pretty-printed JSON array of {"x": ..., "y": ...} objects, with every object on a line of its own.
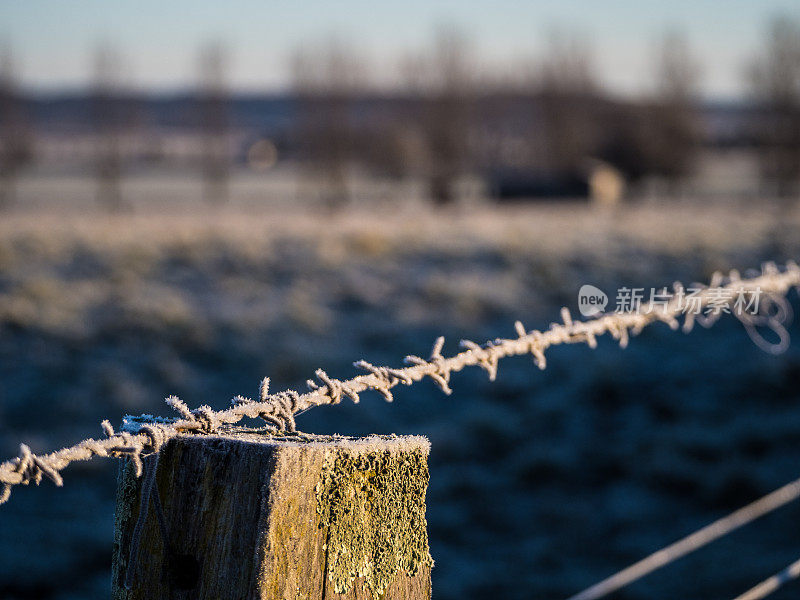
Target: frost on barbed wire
[{"x": 146, "y": 434}]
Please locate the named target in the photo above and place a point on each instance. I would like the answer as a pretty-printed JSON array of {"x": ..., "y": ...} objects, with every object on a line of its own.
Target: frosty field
[{"x": 541, "y": 483}]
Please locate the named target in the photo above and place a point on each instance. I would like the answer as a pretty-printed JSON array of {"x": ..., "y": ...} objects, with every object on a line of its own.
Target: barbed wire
[{"x": 141, "y": 436}]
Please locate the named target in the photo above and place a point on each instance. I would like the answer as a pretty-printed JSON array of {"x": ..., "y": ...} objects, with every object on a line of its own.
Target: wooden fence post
[{"x": 250, "y": 516}]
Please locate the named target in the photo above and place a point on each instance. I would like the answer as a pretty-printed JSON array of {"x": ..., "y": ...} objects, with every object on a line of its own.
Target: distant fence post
[{"x": 245, "y": 515}]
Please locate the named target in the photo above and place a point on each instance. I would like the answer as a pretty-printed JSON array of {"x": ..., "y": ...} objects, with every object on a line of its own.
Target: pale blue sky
[{"x": 53, "y": 40}]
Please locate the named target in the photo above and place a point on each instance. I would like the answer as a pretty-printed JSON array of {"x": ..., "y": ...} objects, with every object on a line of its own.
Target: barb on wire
[{"x": 142, "y": 436}]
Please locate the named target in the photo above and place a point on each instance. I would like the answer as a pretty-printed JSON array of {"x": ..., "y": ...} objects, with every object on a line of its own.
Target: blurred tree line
[
  {"x": 552, "y": 121},
  {"x": 543, "y": 126}
]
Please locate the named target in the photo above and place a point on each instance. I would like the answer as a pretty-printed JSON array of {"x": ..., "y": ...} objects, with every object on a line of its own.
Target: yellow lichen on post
[
  {"x": 372, "y": 503},
  {"x": 248, "y": 515}
]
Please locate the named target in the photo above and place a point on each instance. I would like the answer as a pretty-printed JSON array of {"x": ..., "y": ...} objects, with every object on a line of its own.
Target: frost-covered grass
[
  {"x": 597, "y": 461},
  {"x": 240, "y": 268}
]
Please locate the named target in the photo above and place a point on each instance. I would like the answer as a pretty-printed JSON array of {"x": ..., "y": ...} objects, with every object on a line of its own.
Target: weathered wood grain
[{"x": 257, "y": 517}]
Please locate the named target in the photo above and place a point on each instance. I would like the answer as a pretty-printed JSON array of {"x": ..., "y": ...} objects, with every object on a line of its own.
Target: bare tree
[
  {"x": 775, "y": 79},
  {"x": 15, "y": 138},
  {"x": 327, "y": 80},
  {"x": 447, "y": 111},
  {"x": 567, "y": 93},
  {"x": 673, "y": 136},
  {"x": 109, "y": 119},
  {"x": 213, "y": 104}
]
